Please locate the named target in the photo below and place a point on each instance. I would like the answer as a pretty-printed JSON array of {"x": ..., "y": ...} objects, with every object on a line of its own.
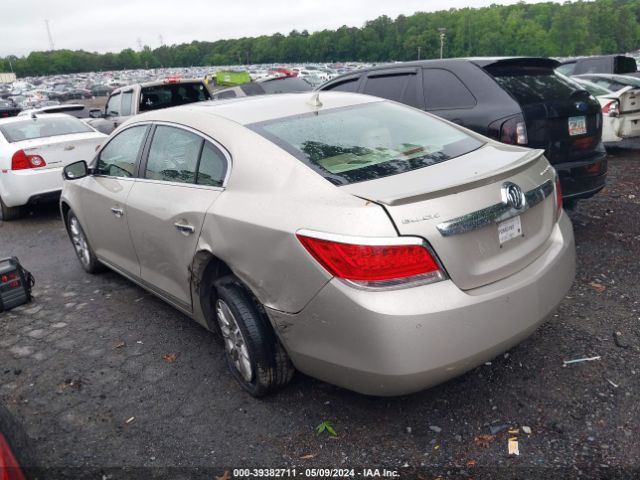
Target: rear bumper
[
  {"x": 22, "y": 187},
  {"x": 583, "y": 178},
  {"x": 403, "y": 341}
]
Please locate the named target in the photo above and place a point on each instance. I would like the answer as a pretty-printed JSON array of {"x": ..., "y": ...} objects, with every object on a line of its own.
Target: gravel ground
[{"x": 104, "y": 381}]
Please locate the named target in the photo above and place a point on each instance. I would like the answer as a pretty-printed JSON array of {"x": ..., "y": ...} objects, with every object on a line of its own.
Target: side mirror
[
  {"x": 95, "y": 113},
  {"x": 75, "y": 170}
]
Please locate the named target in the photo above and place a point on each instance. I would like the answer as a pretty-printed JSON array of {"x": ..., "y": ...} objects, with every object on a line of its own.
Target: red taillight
[
  {"x": 512, "y": 131},
  {"x": 612, "y": 109},
  {"x": 374, "y": 265},
  {"x": 558, "y": 196},
  {"x": 9, "y": 467},
  {"x": 22, "y": 161},
  {"x": 586, "y": 143},
  {"x": 171, "y": 80}
]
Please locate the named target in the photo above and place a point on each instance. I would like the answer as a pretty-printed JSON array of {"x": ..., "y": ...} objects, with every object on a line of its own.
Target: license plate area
[
  {"x": 509, "y": 229},
  {"x": 577, "y": 125}
]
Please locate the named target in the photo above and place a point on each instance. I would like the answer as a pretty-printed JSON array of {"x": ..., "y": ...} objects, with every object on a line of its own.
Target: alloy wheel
[
  {"x": 79, "y": 241},
  {"x": 234, "y": 342}
]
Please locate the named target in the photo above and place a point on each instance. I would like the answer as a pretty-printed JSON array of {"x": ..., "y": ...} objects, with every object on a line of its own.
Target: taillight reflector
[
  {"x": 558, "y": 196},
  {"x": 374, "y": 265},
  {"x": 9, "y": 467},
  {"x": 612, "y": 108},
  {"x": 21, "y": 161}
]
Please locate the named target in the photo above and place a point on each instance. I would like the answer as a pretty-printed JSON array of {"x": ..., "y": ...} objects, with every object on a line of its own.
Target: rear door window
[
  {"x": 444, "y": 90},
  {"x": 533, "y": 84},
  {"x": 212, "y": 168},
  {"x": 118, "y": 158},
  {"x": 399, "y": 87},
  {"x": 173, "y": 156},
  {"x": 365, "y": 142}
]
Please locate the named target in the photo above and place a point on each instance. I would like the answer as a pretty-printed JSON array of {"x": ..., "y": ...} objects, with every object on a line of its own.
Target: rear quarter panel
[{"x": 269, "y": 196}]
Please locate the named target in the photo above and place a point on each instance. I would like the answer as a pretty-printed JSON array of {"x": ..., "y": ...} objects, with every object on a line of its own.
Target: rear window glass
[
  {"x": 42, "y": 127},
  {"x": 533, "y": 84},
  {"x": 365, "y": 142},
  {"x": 170, "y": 95}
]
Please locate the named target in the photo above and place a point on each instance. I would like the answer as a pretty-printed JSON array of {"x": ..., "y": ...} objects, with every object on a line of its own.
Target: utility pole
[
  {"x": 51, "y": 45},
  {"x": 419, "y": 52},
  {"x": 443, "y": 32}
]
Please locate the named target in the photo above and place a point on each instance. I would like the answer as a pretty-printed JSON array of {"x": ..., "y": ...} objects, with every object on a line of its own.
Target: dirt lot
[{"x": 109, "y": 382}]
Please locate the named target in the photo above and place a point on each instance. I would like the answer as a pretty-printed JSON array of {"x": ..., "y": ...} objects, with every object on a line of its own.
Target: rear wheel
[
  {"x": 255, "y": 356},
  {"x": 81, "y": 245},
  {"x": 9, "y": 213}
]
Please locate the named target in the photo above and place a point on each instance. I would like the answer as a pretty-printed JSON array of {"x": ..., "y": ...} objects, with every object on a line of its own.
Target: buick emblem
[{"x": 512, "y": 195}]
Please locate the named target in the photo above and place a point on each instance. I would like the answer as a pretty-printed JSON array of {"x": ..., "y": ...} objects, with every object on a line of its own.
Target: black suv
[{"x": 520, "y": 101}]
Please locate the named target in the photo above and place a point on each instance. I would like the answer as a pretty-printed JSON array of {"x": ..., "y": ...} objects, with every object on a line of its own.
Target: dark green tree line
[{"x": 546, "y": 29}]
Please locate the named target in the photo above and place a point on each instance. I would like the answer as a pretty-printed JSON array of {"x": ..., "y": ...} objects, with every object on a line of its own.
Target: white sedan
[
  {"x": 33, "y": 152},
  {"x": 620, "y": 106}
]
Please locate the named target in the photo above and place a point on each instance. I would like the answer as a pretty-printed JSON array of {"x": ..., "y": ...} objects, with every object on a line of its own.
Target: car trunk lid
[
  {"x": 62, "y": 150},
  {"x": 461, "y": 218}
]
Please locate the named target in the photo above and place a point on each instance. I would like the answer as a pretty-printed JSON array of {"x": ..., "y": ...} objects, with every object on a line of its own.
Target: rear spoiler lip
[{"x": 489, "y": 177}]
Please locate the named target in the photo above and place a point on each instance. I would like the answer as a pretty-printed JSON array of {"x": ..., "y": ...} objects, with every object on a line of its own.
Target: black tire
[
  {"x": 10, "y": 213},
  {"x": 271, "y": 368},
  {"x": 79, "y": 241}
]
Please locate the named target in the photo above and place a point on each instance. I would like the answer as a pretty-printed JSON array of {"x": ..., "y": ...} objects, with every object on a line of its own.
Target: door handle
[
  {"x": 186, "y": 229},
  {"x": 118, "y": 212}
]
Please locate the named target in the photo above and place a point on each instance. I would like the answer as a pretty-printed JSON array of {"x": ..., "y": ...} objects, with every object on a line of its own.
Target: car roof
[
  {"x": 260, "y": 108},
  {"x": 480, "y": 61}
]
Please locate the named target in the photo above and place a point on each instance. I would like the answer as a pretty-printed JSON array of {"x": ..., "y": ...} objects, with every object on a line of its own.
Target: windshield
[
  {"x": 533, "y": 84},
  {"x": 42, "y": 127},
  {"x": 365, "y": 142}
]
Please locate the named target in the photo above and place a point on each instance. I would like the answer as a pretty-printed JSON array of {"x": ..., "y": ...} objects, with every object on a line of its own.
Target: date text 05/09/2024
[{"x": 239, "y": 473}]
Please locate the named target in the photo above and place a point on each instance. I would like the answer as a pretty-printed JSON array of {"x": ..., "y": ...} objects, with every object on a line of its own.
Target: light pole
[
  {"x": 443, "y": 32},
  {"x": 419, "y": 52}
]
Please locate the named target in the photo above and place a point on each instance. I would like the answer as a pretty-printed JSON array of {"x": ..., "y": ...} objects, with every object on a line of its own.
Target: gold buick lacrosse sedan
[{"x": 357, "y": 240}]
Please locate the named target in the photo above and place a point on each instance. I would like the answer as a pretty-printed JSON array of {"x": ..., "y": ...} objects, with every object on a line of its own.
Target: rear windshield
[
  {"x": 529, "y": 84},
  {"x": 171, "y": 95},
  {"x": 42, "y": 127},
  {"x": 365, "y": 142}
]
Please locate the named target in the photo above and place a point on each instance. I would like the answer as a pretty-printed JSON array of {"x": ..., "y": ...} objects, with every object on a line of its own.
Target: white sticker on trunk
[
  {"x": 577, "y": 125},
  {"x": 509, "y": 229}
]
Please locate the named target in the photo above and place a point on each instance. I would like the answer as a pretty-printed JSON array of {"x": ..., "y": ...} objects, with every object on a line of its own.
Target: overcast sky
[{"x": 112, "y": 25}]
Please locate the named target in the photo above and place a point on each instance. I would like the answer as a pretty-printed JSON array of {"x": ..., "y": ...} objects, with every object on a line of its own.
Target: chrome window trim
[
  {"x": 495, "y": 213},
  {"x": 179, "y": 184}
]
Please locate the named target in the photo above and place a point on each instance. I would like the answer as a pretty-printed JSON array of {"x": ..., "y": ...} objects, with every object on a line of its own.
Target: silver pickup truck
[{"x": 127, "y": 101}]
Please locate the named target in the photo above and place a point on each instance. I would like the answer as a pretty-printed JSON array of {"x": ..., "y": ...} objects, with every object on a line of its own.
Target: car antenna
[{"x": 314, "y": 101}]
